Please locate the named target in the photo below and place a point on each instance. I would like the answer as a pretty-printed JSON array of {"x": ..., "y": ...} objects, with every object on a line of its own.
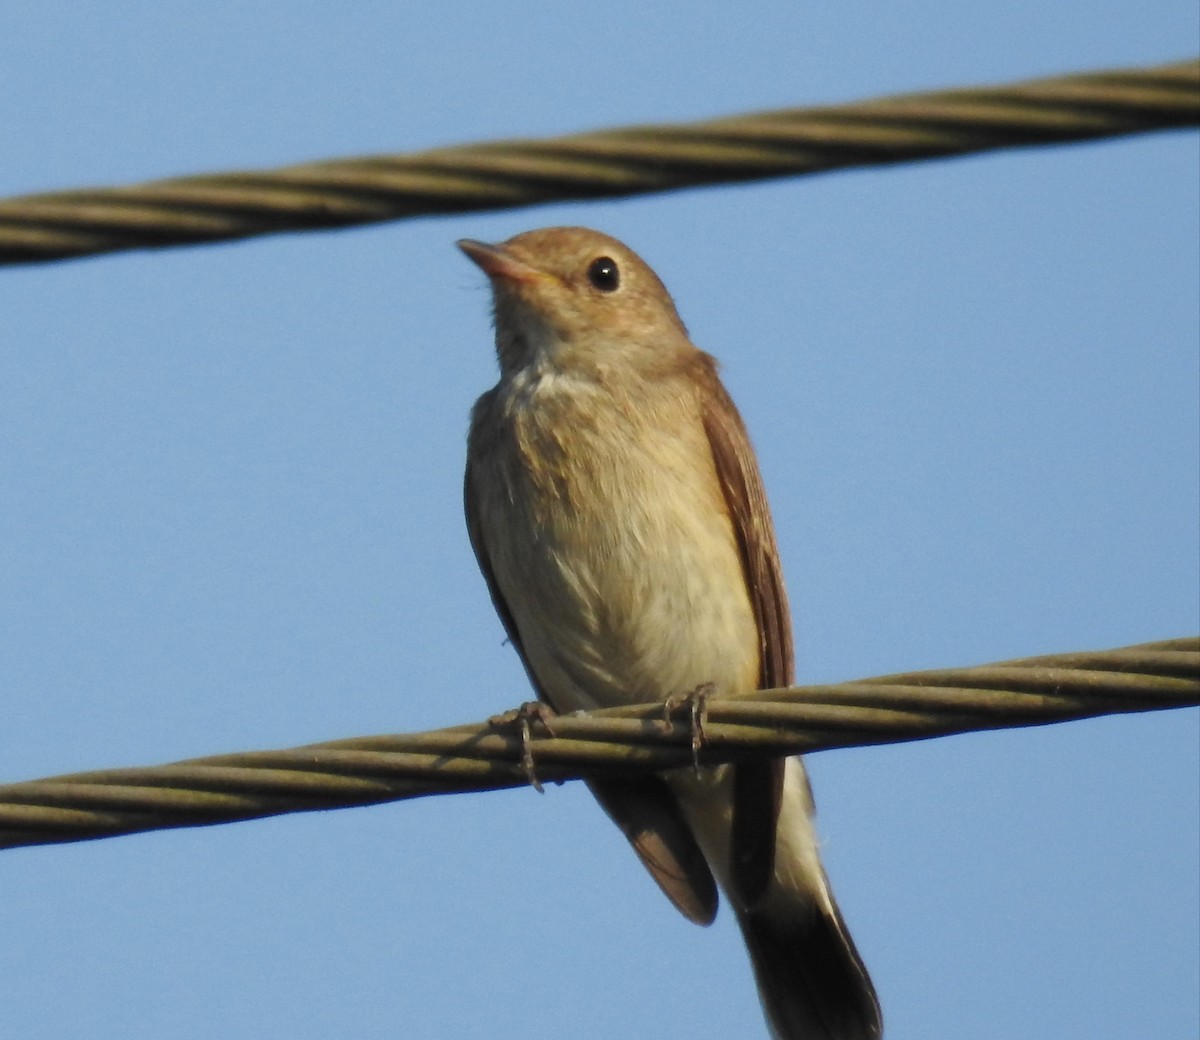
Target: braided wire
[
  {"x": 493, "y": 755},
  {"x": 633, "y": 160}
]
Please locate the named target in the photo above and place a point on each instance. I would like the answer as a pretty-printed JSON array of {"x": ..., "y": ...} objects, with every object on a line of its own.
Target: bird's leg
[
  {"x": 696, "y": 701},
  {"x": 522, "y": 717}
]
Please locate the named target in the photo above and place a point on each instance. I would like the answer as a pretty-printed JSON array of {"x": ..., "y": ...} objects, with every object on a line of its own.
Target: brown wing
[
  {"x": 645, "y": 810},
  {"x": 642, "y": 807},
  {"x": 757, "y": 787}
]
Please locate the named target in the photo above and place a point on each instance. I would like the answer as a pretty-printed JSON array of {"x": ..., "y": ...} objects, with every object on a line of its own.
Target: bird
[{"x": 616, "y": 509}]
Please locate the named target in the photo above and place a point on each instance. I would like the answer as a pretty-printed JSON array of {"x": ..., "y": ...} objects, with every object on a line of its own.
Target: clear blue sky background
[{"x": 230, "y": 519}]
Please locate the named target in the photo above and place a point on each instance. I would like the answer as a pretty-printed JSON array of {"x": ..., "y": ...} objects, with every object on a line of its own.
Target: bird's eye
[{"x": 603, "y": 274}]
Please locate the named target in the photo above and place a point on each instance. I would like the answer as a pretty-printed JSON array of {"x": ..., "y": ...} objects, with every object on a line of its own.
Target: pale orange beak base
[{"x": 497, "y": 262}]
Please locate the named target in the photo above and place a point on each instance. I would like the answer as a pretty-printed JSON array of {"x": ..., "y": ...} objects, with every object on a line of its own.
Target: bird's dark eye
[{"x": 603, "y": 274}]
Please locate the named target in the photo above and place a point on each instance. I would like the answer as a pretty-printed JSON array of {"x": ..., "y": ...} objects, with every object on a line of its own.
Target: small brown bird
[{"x": 616, "y": 509}]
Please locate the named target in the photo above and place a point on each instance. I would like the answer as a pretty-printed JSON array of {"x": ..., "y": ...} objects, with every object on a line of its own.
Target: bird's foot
[
  {"x": 696, "y": 701},
  {"x": 523, "y": 717}
]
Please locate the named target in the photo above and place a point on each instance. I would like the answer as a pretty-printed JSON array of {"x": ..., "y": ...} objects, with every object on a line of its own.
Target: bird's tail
[{"x": 811, "y": 981}]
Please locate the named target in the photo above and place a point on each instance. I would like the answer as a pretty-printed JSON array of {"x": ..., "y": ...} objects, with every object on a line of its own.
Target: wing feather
[{"x": 758, "y": 786}]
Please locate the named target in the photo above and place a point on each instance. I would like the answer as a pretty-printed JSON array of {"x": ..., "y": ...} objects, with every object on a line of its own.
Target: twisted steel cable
[
  {"x": 634, "y": 160},
  {"x": 368, "y": 770}
]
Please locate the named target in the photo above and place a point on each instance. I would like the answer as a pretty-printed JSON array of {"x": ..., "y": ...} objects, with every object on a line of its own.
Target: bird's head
[{"x": 576, "y": 299}]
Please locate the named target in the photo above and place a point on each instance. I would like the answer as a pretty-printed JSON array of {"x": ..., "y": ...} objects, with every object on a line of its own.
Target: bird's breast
[{"x": 612, "y": 546}]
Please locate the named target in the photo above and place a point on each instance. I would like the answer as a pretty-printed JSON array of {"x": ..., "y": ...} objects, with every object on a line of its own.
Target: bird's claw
[
  {"x": 523, "y": 717},
  {"x": 697, "y": 704}
]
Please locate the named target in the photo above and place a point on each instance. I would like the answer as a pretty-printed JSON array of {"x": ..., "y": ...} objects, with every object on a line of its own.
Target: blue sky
[{"x": 230, "y": 519}]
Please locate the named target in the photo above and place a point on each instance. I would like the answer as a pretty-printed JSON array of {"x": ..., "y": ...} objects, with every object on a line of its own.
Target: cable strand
[
  {"x": 604, "y": 164},
  {"x": 638, "y": 738}
]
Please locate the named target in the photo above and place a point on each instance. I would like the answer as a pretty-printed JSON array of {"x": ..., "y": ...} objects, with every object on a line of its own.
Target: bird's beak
[{"x": 497, "y": 262}]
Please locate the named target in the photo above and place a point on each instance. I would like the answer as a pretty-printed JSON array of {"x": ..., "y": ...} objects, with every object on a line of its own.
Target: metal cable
[
  {"x": 634, "y": 160},
  {"x": 368, "y": 770}
]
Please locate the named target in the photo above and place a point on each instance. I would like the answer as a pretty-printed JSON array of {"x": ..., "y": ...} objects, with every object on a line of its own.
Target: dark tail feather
[{"x": 811, "y": 980}]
